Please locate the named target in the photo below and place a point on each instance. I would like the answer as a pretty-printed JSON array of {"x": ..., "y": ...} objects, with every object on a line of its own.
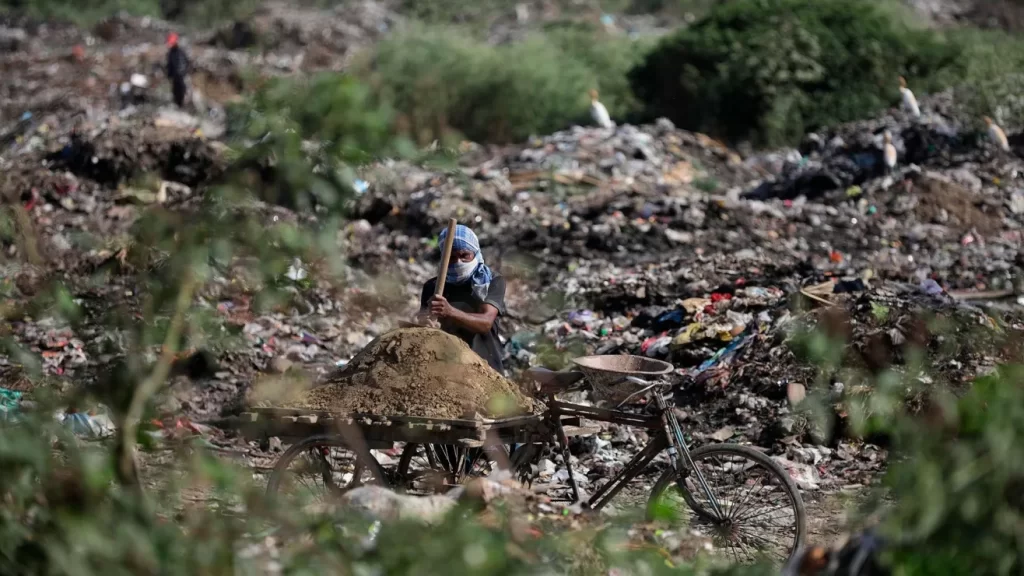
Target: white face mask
[{"x": 461, "y": 271}]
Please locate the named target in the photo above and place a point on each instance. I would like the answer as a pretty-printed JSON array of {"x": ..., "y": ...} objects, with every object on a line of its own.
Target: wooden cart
[{"x": 331, "y": 453}]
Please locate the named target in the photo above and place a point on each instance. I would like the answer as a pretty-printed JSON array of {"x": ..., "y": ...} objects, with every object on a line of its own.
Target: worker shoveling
[{"x": 416, "y": 372}]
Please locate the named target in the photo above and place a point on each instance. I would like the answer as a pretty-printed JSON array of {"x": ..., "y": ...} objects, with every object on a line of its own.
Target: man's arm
[{"x": 477, "y": 322}]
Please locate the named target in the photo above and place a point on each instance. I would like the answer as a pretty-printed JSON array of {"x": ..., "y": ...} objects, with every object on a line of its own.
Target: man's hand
[
  {"x": 440, "y": 308},
  {"x": 425, "y": 319}
]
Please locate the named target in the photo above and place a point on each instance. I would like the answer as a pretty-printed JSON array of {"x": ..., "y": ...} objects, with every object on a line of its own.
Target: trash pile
[
  {"x": 646, "y": 240},
  {"x": 416, "y": 372}
]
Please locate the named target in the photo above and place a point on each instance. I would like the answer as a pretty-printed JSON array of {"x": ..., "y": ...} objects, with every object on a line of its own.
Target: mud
[{"x": 417, "y": 372}]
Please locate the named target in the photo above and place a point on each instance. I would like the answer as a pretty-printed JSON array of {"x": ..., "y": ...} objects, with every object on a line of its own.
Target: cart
[
  {"x": 330, "y": 454},
  {"x": 734, "y": 494}
]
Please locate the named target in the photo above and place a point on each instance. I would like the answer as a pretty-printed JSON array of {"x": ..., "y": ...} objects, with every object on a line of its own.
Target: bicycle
[{"x": 692, "y": 473}]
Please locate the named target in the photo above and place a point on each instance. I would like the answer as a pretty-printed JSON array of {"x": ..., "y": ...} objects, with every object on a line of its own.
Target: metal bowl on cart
[{"x": 614, "y": 378}]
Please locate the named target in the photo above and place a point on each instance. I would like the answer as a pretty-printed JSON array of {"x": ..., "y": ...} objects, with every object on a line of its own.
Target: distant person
[
  {"x": 178, "y": 68},
  {"x": 472, "y": 300}
]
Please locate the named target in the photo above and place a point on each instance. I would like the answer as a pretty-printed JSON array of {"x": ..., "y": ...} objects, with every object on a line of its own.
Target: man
[
  {"x": 177, "y": 69},
  {"x": 473, "y": 298}
]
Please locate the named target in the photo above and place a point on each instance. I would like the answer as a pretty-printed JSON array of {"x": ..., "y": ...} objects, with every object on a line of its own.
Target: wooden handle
[{"x": 446, "y": 255}]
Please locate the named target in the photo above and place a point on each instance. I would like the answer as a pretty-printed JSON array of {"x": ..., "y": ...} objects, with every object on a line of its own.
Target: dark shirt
[
  {"x": 461, "y": 297},
  {"x": 177, "y": 63}
]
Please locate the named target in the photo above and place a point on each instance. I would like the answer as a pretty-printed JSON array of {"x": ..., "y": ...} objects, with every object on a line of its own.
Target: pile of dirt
[
  {"x": 944, "y": 202},
  {"x": 418, "y": 372}
]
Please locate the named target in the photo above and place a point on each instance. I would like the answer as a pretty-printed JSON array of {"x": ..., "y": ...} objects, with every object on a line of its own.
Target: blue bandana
[{"x": 474, "y": 271}]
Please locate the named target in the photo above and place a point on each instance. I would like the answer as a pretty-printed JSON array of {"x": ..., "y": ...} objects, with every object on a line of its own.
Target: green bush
[
  {"x": 206, "y": 12},
  {"x": 992, "y": 84},
  {"x": 611, "y": 58},
  {"x": 668, "y": 7},
  {"x": 455, "y": 11},
  {"x": 443, "y": 81},
  {"x": 768, "y": 70},
  {"x": 80, "y": 11},
  {"x": 957, "y": 483},
  {"x": 304, "y": 155},
  {"x": 87, "y": 12}
]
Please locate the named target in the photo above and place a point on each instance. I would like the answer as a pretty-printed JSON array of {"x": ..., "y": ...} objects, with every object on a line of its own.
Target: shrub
[
  {"x": 302, "y": 155},
  {"x": 611, "y": 58},
  {"x": 82, "y": 11},
  {"x": 86, "y": 12},
  {"x": 992, "y": 83},
  {"x": 441, "y": 80},
  {"x": 768, "y": 70},
  {"x": 958, "y": 490},
  {"x": 455, "y": 11}
]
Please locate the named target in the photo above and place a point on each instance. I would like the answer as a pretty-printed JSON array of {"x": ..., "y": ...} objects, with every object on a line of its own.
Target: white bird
[
  {"x": 599, "y": 113},
  {"x": 909, "y": 102},
  {"x": 997, "y": 135},
  {"x": 889, "y": 151}
]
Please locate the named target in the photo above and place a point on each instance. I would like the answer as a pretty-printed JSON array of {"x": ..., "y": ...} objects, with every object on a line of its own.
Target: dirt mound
[
  {"x": 417, "y": 372},
  {"x": 948, "y": 203}
]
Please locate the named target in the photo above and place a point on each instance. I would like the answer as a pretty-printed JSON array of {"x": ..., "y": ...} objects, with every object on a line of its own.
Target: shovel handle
[{"x": 446, "y": 255}]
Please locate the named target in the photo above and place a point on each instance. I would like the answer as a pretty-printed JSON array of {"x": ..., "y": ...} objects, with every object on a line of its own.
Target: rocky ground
[{"x": 641, "y": 239}]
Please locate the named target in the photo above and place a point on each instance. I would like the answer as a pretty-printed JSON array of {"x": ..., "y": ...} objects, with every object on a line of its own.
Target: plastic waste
[
  {"x": 10, "y": 403},
  {"x": 87, "y": 425},
  {"x": 581, "y": 318}
]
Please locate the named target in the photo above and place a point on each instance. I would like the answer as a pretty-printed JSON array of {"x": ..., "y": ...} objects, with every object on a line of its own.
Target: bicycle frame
[{"x": 667, "y": 435}]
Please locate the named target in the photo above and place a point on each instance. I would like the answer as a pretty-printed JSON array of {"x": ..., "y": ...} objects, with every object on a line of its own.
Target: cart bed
[{"x": 382, "y": 431}]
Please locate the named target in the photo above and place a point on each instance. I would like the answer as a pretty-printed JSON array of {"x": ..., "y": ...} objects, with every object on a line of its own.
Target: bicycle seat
[{"x": 550, "y": 381}]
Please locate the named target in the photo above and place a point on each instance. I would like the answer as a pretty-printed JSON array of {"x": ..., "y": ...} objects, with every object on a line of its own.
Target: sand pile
[{"x": 417, "y": 372}]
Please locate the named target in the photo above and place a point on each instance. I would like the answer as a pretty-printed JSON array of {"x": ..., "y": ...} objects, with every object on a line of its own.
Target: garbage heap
[{"x": 643, "y": 239}]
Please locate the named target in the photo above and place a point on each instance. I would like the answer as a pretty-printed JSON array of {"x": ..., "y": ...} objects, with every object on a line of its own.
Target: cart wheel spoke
[
  {"x": 317, "y": 470},
  {"x": 436, "y": 468}
]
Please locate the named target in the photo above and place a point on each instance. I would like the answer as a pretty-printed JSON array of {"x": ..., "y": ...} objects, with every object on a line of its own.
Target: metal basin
[
  {"x": 605, "y": 373},
  {"x": 624, "y": 365}
]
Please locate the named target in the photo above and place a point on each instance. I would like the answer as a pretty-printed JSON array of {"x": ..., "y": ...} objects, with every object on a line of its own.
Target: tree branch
[{"x": 149, "y": 386}]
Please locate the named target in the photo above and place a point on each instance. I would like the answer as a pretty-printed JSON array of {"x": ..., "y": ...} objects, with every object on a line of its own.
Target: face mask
[{"x": 461, "y": 271}]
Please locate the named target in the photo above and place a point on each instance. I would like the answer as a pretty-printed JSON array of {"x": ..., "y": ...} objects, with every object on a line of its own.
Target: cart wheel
[
  {"x": 522, "y": 459},
  {"x": 436, "y": 468},
  {"x": 760, "y": 514},
  {"x": 318, "y": 469}
]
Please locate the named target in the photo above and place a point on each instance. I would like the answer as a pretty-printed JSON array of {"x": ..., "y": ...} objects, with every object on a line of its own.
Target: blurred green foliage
[
  {"x": 64, "y": 514},
  {"x": 456, "y": 11},
  {"x": 444, "y": 82},
  {"x": 677, "y": 8},
  {"x": 992, "y": 84},
  {"x": 769, "y": 70},
  {"x": 958, "y": 482},
  {"x": 82, "y": 12},
  {"x": 950, "y": 502},
  {"x": 303, "y": 137},
  {"x": 87, "y": 12}
]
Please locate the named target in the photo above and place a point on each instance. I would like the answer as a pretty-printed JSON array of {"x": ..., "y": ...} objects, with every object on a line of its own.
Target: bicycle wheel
[
  {"x": 436, "y": 468},
  {"x": 318, "y": 469},
  {"x": 759, "y": 514}
]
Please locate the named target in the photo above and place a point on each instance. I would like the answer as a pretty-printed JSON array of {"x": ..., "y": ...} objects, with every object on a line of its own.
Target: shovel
[{"x": 442, "y": 272}]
